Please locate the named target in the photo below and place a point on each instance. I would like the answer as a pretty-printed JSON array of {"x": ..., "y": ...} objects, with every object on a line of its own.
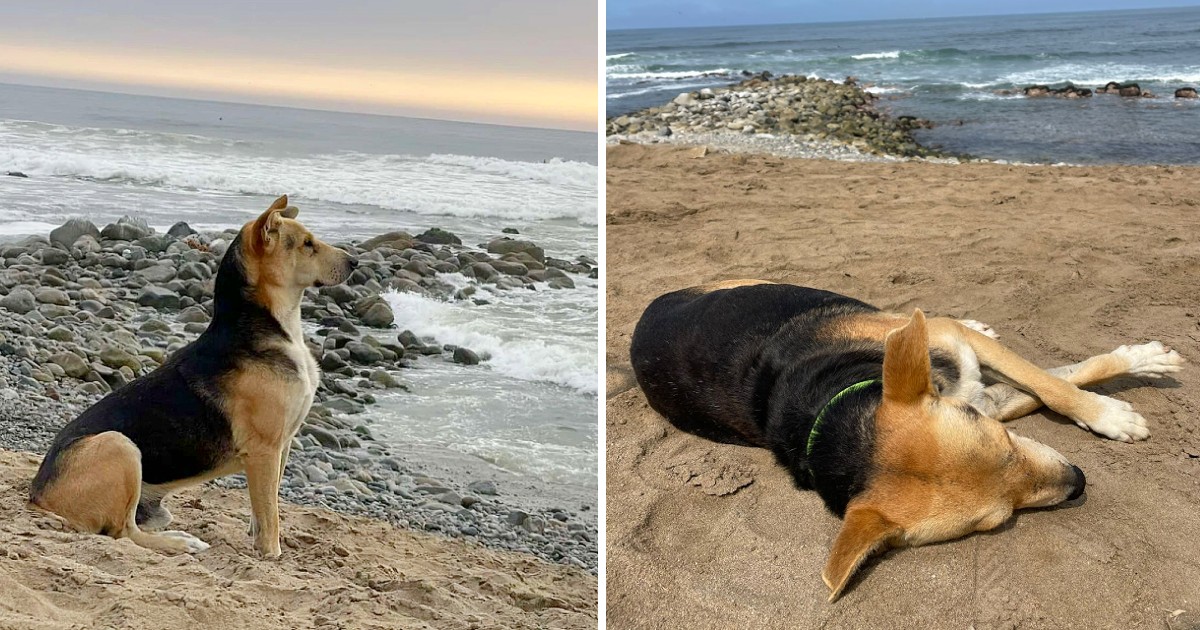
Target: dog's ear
[
  {"x": 265, "y": 230},
  {"x": 907, "y": 374},
  {"x": 864, "y": 531}
]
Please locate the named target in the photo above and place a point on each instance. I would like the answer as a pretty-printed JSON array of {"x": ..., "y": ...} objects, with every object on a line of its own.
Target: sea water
[{"x": 530, "y": 409}]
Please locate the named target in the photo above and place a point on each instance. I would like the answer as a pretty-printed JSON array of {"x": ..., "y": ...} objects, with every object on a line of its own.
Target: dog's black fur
[
  {"x": 756, "y": 364},
  {"x": 175, "y": 414}
]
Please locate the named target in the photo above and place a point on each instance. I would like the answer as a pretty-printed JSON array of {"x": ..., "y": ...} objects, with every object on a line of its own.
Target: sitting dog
[
  {"x": 228, "y": 402},
  {"x": 886, "y": 417}
]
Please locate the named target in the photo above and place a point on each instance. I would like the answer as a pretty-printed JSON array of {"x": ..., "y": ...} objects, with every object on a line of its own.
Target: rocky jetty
[
  {"x": 1128, "y": 90},
  {"x": 813, "y": 110},
  {"x": 87, "y": 310}
]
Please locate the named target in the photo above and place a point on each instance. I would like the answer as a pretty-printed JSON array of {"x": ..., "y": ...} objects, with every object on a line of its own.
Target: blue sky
[{"x": 678, "y": 13}]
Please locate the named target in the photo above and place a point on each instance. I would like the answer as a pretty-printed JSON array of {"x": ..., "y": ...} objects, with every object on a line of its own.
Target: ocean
[
  {"x": 531, "y": 409},
  {"x": 952, "y": 70}
]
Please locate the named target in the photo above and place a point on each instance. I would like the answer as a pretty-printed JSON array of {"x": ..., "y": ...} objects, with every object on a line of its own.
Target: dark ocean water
[{"x": 949, "y": 70}]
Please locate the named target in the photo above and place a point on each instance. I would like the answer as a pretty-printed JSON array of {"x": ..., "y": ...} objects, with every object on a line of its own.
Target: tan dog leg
[
  {"x": 1152, "y": 360},
  {"x": 262, "y": 477},
  {"x": 97, "y": 490},
  {"x": 1107, "y": 416}
]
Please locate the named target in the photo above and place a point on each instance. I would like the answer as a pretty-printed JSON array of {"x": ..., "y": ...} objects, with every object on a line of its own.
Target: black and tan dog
[
  {"x": 887, "y": 417},
  {"x": 230, "y": 401}
]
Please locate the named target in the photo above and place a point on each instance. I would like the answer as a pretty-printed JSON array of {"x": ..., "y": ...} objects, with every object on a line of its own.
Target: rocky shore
[
  {"x": 87, "y": 310},
  {"x": 795, "y": 114}
]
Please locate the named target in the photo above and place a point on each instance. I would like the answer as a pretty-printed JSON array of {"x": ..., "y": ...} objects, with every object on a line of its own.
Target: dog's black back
[
  {"x": 175, "y": 415},
  {"x": 756, "y": 364}
]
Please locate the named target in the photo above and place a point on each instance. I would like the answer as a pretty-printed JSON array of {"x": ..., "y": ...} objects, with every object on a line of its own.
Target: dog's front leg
[
  {"x": 1107, "y": 416},
  {"x": 262, "y": 477}
]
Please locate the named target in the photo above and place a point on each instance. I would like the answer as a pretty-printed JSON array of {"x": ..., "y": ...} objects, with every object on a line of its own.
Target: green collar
[{"x": 812, "y": 434}]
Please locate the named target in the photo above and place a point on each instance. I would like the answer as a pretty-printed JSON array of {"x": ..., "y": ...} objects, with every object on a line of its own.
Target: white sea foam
[
  {"x": 1099, "y": 74},
  {"x": 522, "y": 345},
  {"x": 891, "y": 54},
  {"x": 617, "y": 56},
  {"x": 666, "y": 74},
  {"x": 453, "y": 185},
  {"x": 883, "y": 89}
]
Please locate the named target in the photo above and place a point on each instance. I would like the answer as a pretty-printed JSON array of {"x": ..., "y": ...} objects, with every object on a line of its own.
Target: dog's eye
[{"x": 308, "y": 243}]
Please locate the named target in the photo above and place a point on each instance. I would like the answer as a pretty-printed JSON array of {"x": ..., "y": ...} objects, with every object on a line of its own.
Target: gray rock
[
  {"x": 20, "y": 300},
  {"x": 331, "y": 362},
  {"x": 159, "y": 298},
  {"x": 126, "y": 229},
  {"x": 158, "y": 274},
  {"x": 48, "y": 295},
  {"x": 378, "y": 315},
  {"x": 438, "y": 236},
  {"x": 58, "y": 333},
  {"x": 54, "y": 256},
  {"x": 465, "y": 356},
  {"x": 180, "y": 230},
  {"x": 449, "y": 498},
  {"x": 115, "y": 358},
  {"x": 71, "y": 363},
  {"x": 363, "y": 353},
  {"x": 65, "y": 235},
  {"x": 195, "y": 271},
  {"x": 506, "y": 245},
  {"x": 193, "y": 314},
  {"x": 324, "y": 436}
]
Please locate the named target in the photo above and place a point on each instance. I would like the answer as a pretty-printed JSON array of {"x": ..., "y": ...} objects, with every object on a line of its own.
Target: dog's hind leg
[
  {"x": 152, "y": 515},
  {"x": 97, "y": 488},
  {"x": 1152, "y": 360}
]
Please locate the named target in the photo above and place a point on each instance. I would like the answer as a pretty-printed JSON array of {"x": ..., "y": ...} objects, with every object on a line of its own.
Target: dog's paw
[
  {"x": 979, "y": 327},
  {"x": 194, "y": 545},
  {"x": 1118, "y": 421},
  {"x": 1151, "y": 360}
]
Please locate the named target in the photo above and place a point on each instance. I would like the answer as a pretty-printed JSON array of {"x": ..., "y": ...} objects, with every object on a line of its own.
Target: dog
[
  {"x": 887, "y": 417},
  {"x": 228, "y": 402}
]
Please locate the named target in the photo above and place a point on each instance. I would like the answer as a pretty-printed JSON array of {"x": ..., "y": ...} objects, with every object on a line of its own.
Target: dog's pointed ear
[
  {"x": 865, "y": 530},
  {"x": 281, "y": 205},
  {"x": 265, "y": 230},
  {"x": 907, "y": 374}
]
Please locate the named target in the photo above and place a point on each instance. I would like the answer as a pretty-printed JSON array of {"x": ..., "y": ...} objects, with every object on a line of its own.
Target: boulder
[
  {"x": 65, "y": 235},
  {"x": 180, "y": 230},
  {"x": 126, "y": 229},
  {"x": 465, "y": 356},
  {"x": 438, "y": 236},
  {"x": 394, "y": 240},
  {"x": 1186, "y": 92},
  {"x": 159, "y": 298},
  {"x": 506, "y": 245},
  {"x": 378, "y": 315}
]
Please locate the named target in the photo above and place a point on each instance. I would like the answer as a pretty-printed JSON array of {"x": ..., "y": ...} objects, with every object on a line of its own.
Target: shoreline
[{"x": 95, "y": 308}]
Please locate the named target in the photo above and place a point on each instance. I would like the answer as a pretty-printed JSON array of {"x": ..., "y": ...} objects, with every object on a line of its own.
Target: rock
[
  {"x": 378, "y": 315},
  {"x": 395, "y": 240},
  {"x": 484, "y": 487},
  {"x": 159, "y": 298},
  {"x": 65, "y": 235},
  {"x": 126, "y": 229},
  {"x": 158, "y": 274},
  {"x": 115, "y": 358},
  {"x": 438, "y": 236},
  {"x": 15, "y": 174},
  {"x": 324, "y": 436},
  {"x": 449, "y": 498},
  {"x": 58, "y": 333},
  {"x": 20, "y": 300},
  {"x": 363, "y": 353},
  {"x": 340, "y": 293},
  {"x": 465, "y": 356},
  {"x": 54, "y": 256},
  {"x": 408, "y": 339},
  {"x": 71, "y": 363},
  {"x": 1130, "y": 89},
  {"x": 506, "y": 245},
  {"x": 516, "y": 517},
  {"x": 562, "y": 282},
  {"x": 180, "y": 230},
  {"x": 1186, "y": 92},
  {"x": 480, "y": 270},
  {"x": 509, "y": 230},
  {"x": 195, "y": 271},
  {"x": 193, "y": 314},
  {"x": 47, "y": 295},
  {"x": 384, "y": 379},
  {"x": 332, "y": 362}
]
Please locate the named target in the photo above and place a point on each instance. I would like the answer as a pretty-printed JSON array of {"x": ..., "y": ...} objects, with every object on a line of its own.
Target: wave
[
  {"x": 1099, "y": 74},
  {"x": 669, "y": 74},
  {"x": 891, "y": 54},
  {"x": 454, "y": 185},
  {"x": 618, "y": 56},
  {"x": 526, "y": 352}
]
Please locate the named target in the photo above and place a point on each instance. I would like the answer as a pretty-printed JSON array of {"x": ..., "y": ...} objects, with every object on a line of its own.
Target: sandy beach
[
  {"x": 336, "y": 572},
  {"x": 1063, "y": 262}
]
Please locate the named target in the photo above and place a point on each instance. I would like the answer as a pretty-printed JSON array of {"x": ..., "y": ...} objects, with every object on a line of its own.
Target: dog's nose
[
  {"x": 353, "y": 262},
  {"x": 1080, "y": 482}
]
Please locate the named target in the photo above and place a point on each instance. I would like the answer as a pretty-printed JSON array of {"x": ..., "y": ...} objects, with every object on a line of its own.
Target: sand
[
  {"x": 336, "y": 572},
  {"x": 1063, "y": 262}
]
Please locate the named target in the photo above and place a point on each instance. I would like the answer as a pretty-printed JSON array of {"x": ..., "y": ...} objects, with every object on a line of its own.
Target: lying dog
[
  {"x": 230, "y": 401},
  {"x": 887, "y": 417}
]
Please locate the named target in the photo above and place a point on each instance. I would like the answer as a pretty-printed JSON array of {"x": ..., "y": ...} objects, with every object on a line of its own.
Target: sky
[
  {"x": 517, "y": 62},
  {"x": 622, "y": 14}
]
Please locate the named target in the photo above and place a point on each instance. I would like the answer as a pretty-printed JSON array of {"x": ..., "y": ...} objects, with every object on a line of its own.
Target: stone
[
  {"x": 49, "y": 295},
  {"x": 324, "y": 436},
  {"x": 159, "y": 298},
  {"x": 158, "y": 274},
  {"x": 505, "y": 245},
  {"x": 193, "y": 314},
  {"x": 65, "y": 235},
  {"x": 363, "y": 353},
  {"x": 20, "y": 300},
  {"x": 394, "y": 240},
  {"x": 438, "y": 236},
  {"x": 71, "y": 363},
  {"x": 58, "y": 333},
  {"x": 126, "y": 229},
  {"x": 180, "y": 230},
  {"x": 332, "y": 362},
  {"x": 465, "y": 356},
  {"x": 115, "y": 358},
  {"x": 54, "y": 256},
  {"x": 378, "y": 315}
]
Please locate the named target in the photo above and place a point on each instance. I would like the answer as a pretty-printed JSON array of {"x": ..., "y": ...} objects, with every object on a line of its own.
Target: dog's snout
[
  {"x": 352, "y": 262},
  {"x": 1079, "y": 483}
]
